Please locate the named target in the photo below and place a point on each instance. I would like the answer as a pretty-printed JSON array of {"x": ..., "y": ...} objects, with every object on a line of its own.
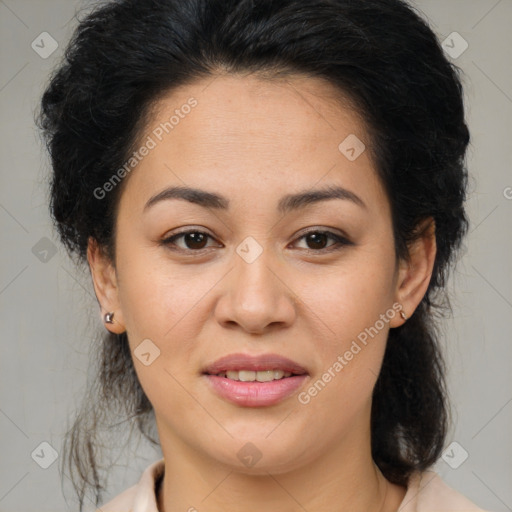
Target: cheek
[
  {"x": 350, "y": 356},
  {"x": 351, "y": 297},
  {"x": 354, "y": 305},
  {"x": 157, "y": 306},
  {"x": 158, "y": 298},
  {"x": 153, "y": 294}
]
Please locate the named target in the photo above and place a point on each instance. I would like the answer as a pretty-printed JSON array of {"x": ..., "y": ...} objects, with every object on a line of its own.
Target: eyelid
[
  {"x": 167, "y": 240},
  {"x": 341, "y": 240},
  {"x": 333, "y": 232}
]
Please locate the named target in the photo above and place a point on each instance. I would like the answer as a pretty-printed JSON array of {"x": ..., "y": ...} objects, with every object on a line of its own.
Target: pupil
[
  {"x": 315, "y": 236},
  {"x": 192, "y": 238}
]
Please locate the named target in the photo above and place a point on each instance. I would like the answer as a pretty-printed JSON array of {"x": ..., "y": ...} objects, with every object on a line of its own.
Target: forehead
[
  {"x": 246, "y": 134},
  {"x": 261, "y": 112}
]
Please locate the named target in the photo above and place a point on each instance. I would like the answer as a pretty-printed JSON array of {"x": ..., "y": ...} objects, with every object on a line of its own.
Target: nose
[{"x": 256, "y": 296}]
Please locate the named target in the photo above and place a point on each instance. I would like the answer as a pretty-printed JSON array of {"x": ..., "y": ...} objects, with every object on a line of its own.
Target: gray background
[{"x": 49, "y": 315}]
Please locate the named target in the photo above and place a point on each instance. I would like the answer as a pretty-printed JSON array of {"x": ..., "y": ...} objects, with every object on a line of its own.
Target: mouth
[
  {"x": 255, "y": 381},
  {"x": 261, "y": 368},
  {"x": 253, "y": 376}
]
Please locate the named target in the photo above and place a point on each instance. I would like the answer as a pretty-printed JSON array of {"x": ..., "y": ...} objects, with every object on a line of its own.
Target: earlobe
[
  {"x": 104, "y": 279},
  {"x": 415, "y": 273}
]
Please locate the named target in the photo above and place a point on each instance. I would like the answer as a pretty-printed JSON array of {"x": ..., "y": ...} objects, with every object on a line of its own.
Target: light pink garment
[{"x": 426, "y": 492}]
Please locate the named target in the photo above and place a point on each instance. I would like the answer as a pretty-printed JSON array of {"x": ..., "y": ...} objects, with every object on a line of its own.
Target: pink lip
[
  {"x": 255, "y": 363},
  {"x": 255, "y": 394}
]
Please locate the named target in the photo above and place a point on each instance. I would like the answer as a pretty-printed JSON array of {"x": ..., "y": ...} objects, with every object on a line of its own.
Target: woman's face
[{"x": 249, "y": 280}]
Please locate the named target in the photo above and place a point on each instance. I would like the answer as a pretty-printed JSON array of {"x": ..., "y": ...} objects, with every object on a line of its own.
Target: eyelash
[{"x": 341, "y": 241}]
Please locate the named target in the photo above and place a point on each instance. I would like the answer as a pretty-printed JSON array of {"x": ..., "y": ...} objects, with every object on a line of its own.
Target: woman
[{"x": 269, "y": 196}]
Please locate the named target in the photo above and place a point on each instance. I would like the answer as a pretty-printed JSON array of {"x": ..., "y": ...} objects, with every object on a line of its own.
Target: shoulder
[
  {"x": 139, "y": 497},
  {"x": 122, "y": 502},
  {"x": 427, "y": 492}
]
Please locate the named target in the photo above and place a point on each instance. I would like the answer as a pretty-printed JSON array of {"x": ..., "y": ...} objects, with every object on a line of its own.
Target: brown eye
[
  {"x": 196, "y": 241},
  {"x": 318, "y": 240},
  {"x": 193, "y": 240}
]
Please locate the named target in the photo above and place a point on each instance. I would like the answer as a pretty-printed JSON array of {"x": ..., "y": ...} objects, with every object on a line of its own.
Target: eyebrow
[{"x": 286, "y": 204}]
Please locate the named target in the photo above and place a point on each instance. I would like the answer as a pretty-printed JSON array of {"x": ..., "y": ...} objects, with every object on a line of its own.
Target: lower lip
[{"x": 255, "y": 394}]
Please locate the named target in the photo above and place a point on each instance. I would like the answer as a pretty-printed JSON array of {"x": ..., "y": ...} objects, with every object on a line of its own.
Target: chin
[{"x": 260, "y": 456}]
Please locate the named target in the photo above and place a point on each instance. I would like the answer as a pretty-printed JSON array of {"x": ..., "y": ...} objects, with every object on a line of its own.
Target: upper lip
[{"x": 256, "y": 363}]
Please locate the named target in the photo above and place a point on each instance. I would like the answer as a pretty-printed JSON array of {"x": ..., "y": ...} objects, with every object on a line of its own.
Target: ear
[
  {"x": 105, "y": 285},
  {"x": 415, "y": 272}
]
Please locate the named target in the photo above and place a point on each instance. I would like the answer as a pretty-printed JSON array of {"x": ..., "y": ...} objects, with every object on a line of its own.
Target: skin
[{"x": 254, "y": 141}]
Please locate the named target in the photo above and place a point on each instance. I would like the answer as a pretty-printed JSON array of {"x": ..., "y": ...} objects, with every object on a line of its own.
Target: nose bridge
[
  {"x": 254, "y": 280},
  {"x": 256, "y": 296}
]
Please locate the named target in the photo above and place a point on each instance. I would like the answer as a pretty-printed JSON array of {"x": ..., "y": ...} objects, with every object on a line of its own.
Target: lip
[
  {"x": 254, "y": 394},
  {"x": 256, "y": 363}
]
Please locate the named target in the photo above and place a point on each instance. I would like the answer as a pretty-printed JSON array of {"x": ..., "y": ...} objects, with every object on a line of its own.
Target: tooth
[
  {"x": 278, "y": 374},
  {"x": 265, "y": 375},
  {"x": 251, "y": 375},
  {"x": 246, "y": 375}
]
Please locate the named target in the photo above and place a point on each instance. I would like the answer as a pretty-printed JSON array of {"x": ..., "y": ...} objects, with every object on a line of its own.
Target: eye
[
  {"x": 195, "y": 241},
  {"x": 318, "y": 239}
]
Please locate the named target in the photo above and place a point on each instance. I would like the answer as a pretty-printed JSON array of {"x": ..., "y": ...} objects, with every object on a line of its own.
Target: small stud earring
[
  {"x": 403, "y": 315},
  {"x": 109, "y": 318}
]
